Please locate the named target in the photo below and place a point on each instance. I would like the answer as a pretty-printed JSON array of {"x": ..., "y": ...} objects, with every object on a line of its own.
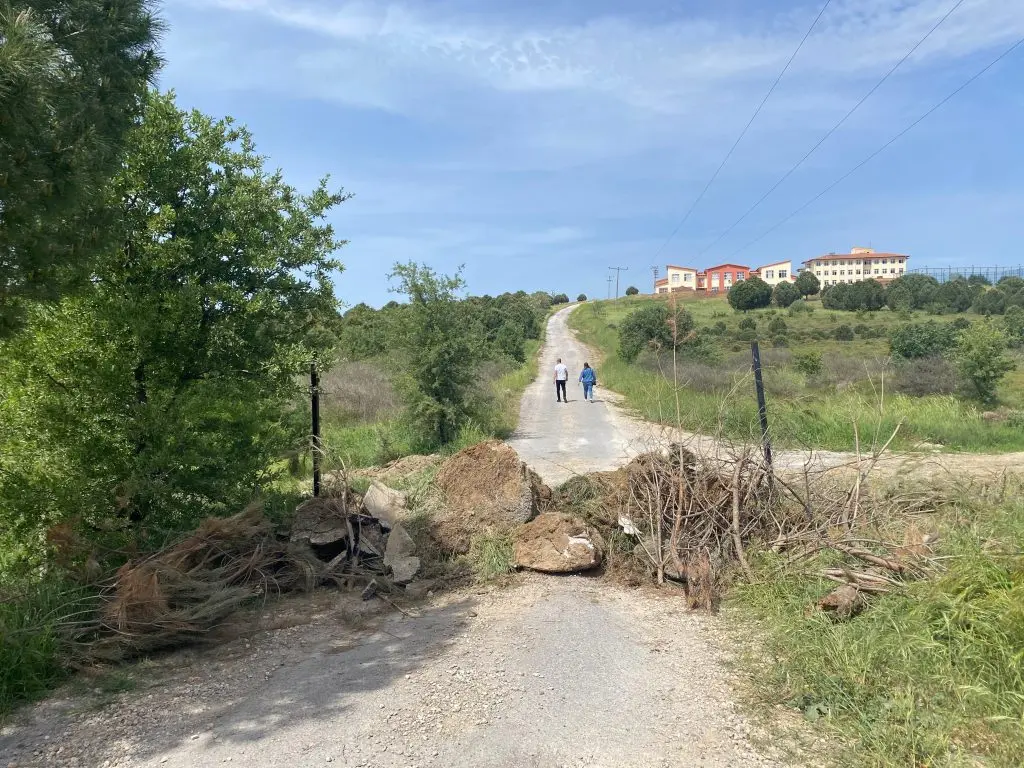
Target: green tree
[
  {"x": 754, "y": 293},
  {"x": 1013, "y": 323},
  {"x": 807, "y": 283},
  {"x": 929, "y": 339},
  {"x": 785, "y": 294},
  {"x": 956, "y": 295},
  {"x": 840, "y": 296},
  {"x": 991, "y": 302},
  {"x": 981, "y": 358},
  {"x": 443, "y": 347},
  {"x": 165, "y": 391},
  {"x": 581, "y": 297},
  {"x": 652, "y": 327},
  {"x": 911, "y": 291},
  {"x": 559, "y": 298},
  {"x": 73, "y": 79},
  {"x": 632, "y": 291}
]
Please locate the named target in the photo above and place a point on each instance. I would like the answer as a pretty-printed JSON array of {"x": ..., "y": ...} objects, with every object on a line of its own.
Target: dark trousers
[{"x": 560, "y": 391}]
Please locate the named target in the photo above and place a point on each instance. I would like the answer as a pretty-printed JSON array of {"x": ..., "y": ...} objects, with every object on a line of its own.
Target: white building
[
  {"x": 776, "y": 272},
  {"x": 858, "y": 264},
  {"x": 677, "y": 279}
]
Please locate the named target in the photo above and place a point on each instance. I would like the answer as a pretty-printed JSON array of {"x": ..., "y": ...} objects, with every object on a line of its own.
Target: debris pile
[
  {"x": 558, "y": 543},
  {"x": 485, "y": 487}
]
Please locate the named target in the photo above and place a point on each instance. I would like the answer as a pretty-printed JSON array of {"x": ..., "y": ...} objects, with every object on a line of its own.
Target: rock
[
  {"x": 557, "y": 543},
  {"x": 485, "y": 487},
  {"x": 398, "y": 556},
  {"x": 385, "y": 504},
  {"x": 321, "y": 521},
  {"x": 843, "y": 602}
]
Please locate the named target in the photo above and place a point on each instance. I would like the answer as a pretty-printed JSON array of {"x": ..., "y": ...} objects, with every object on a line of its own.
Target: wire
[
  {"x": 881, "y": 149},
  {"x": 743, "y": 133},
  {"x": 832, "y": 130}
]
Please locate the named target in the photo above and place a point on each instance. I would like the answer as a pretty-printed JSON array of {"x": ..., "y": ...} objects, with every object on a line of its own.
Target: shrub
[
  {"x": 754, "y": 293},
  {"x": 929, "y": 339},
  {"x": 927, "y": 376},
  {"x": 956, "y": 295},
  {"x": 843, "y": 333},
  {"x": 581, "y": 297},
  {"x": 862, "y": 330},
  {"x": 800, "y": 306},
  {"x": 991, "y": 302},
  {"x": 777, "y": 325},
  {"x": 807, "y": 284},
  {"x": 779, "y": 341},
  {"x": 632, "y": 291},
  {"x": 748, "y": 323},
  {"x": 1013, "y": 324},
  {"x": 651, "y": 326},
  {"x": 785, "y": 294},
  {"x": 981, "y": 358},
  {"x": 746, "y": 334},
  {"x": 808, "y": 363}
]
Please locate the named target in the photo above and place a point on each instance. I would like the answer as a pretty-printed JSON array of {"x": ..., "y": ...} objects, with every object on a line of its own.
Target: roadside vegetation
[{"x": 951, "y": 374}]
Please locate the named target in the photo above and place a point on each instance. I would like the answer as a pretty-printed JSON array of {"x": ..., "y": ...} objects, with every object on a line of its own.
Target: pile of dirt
[
  {"x": 400, "y": 468},
  {"x": 181, "y": 593},
  {"x": 557, "y": 543},
  {"x": 485, "y": 487}
]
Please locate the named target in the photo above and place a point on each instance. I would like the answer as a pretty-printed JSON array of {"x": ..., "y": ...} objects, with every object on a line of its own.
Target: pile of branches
[
  {"x": 694, "y": 515},
  {"x": 181, "y": 593}
]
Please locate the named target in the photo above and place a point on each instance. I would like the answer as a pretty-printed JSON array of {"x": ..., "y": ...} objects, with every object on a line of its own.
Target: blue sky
[{"x": 540, "y": 142}]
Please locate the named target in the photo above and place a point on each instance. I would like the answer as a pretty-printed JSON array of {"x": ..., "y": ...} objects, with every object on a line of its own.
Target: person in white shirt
[{"x": 561, "y": 376}]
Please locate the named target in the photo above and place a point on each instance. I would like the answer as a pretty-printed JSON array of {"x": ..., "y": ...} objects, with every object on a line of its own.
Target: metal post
[
  {"x": 762, "y": 408},
  {"x": 314, "y": 389},
  {"x": 618, "y": 271}
]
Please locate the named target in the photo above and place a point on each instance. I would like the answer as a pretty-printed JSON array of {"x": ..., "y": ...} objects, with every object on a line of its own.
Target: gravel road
[{"x": 550, "y": 672}]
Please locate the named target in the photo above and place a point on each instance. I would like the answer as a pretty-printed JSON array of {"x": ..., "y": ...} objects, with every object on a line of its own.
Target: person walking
[
  {"x": 588, "y": 378},
  {"x": 561, "y": 377}
]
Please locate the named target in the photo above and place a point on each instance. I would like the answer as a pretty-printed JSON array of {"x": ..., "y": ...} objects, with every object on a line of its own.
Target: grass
[
  {"x": 930, "y": 676},
  {"x": 804, "y": 411},
  {"x": 492, "y": 555}
]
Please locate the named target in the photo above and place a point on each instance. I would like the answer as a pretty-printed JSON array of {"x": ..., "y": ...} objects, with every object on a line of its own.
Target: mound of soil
[
  {"x": 558, "y": 543},
  {"x": 486, "y": 487}
]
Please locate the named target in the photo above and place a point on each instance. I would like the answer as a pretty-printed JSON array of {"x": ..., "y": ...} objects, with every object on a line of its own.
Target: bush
[
  {"x": 1013, "y": 324},
  {"x": 929, "y": 339},
  {"x": 862, "y": 330},
  {"x": 746, "y": 334},
  {"x": 981, "y": 358},
  {"x": 651, "y": 326},
  {"x": 843, "y": 333},
  {"x": 956, "y": 295},
  {"x": 927, "y": 376},
  {"x": 785, "y": 294},
  {"x": 991, "y": 302},
  {"x": 808, "y": 363},
  {"x": 807, "y": 283},
  {"x": 778, "y": 325},
  {"x": 800, "y": 306},
  {"x": 753, "y": 293},
  {"x": 779, "y": 341},
  {"x": 632, "y": 291},
  {"x": 559, "y": 298},
  {"x": 748, "y": 323},
  {"x": 721, "y": 327}
]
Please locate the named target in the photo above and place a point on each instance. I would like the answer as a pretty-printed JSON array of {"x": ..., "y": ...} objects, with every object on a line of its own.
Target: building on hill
[
  {"x": 858, "y": 264},
  {"x": 776, "y": 272},
  {"x": 677, "y": 279},
  {"x": 720, "y": 278}
]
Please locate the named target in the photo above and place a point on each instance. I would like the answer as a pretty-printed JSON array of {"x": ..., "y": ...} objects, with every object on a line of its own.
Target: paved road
[{"x": 559, "y": 440}]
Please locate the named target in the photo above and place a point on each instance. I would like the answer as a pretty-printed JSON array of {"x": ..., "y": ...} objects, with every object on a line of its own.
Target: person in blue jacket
[{"x": 588, "y": 378}]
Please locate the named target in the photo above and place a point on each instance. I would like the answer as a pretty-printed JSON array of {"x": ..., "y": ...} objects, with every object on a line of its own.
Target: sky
[{"x": 540, "y": 142}]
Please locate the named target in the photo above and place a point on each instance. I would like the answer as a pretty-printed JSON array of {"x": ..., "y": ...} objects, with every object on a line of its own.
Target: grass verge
[{"x": 931, "y": 675}]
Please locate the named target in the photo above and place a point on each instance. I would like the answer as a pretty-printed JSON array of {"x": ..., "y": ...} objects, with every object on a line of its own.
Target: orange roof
[
  {"x": 857, "y": 256},
  {"x": 727, "y": 266},
  {"x": 662, "y": 281}
]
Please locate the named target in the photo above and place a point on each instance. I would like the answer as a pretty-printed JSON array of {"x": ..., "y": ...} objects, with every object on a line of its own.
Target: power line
[
  {"x": 743, "y": 133},
  {"x": 881, "y": 149},
  {"x": 618, "y": 271},
  {"x": 831, "y": 130}
]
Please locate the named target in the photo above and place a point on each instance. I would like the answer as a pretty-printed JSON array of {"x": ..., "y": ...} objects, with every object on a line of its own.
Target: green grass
[
  {"x": 930, "y": 676},
  {"x": 802, "y": 412},
  {"x": 33, "y": 652},
  {"x": 492, "y": 555}
]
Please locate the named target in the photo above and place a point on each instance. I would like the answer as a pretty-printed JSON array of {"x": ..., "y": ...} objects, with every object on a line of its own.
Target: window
[
  {"x": 843, "y": 272},
  {"x": 769, "y": 274},
  {"x": 858, "y": 271},
  {"x": 901, "y": 270},
  {"x": 675, "y": 277},
  {"x": 876, "y": 271},
  {"x": 885, "y": 261},
  {"x": 687, "y": 278},
  {"x": 783, "y": 274},
  {"x": 833, "y": 274},
  {"x": 728, "y": 277},
  {"x": 740, "y": 277}
]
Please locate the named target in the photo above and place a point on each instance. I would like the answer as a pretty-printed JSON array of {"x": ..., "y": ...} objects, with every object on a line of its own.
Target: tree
[
  {"x": 164, "y": 391},
  {"x": 651, "y": 327},
  {"x": 870, "y": 295},
  {"x": 559, "y": 298},
  {"x": 981, "y": 358},
  {"x": 929, "y": 339},
  {"x": 807, "y": 283},
  {"x": 979, "y": 280},
  {"x": 443, "y": 348},
  {"x": 785, "y": 294},
  {"x": 991, "y": 302},
  {"x": 838, "y": 296},
  {"x": 73, "y": 79},
  {"x": 956, "y": 295},
  {"x": 1013, "y": 324},
  {"x": 632, "y": 290},
  {"x": 581, "y": 297},
  {"x": 754, "y": 293},
  {"x": 911, "y": 291}
]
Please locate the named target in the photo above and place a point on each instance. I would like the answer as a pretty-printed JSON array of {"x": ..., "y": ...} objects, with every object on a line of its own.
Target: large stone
[
  {"x": 322, "y": 521},
  {"x": 398, "y": 556},
  {"x": 385, "y": 504},
  {"x": 558, "y": 543},
  {"x": 485, "y": 487}
]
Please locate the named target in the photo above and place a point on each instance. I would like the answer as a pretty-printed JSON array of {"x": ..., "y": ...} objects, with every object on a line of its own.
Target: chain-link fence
[{"x": 992, "y": 274}]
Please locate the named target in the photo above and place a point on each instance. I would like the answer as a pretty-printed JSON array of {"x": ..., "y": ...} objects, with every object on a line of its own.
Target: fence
[{"x": 992, "y": 274}]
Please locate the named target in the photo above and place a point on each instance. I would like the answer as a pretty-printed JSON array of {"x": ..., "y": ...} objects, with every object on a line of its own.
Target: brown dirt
[
  {"x": 485, "y": 487},
  {"x": 558, "y": 543},
  {"x": 400, "y": 468}
]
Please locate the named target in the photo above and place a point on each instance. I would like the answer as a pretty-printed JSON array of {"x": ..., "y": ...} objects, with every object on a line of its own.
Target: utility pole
[
  {"x": 618, "y": 270},
  {"x": 655, "y": 270},
  {"x": 609, "y": 286}
]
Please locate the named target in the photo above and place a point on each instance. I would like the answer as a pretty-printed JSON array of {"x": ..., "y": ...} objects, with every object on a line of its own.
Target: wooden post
[
  {"x": 314, "y": 390},
  {"x": 762, "y": 408}
]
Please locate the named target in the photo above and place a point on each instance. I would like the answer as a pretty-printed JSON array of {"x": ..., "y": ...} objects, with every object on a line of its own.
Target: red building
[{"x": 723, "y": 277}]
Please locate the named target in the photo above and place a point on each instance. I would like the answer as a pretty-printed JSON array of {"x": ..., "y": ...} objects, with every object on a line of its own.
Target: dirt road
[
  {"x": 560, "y": 440},
  {"x": 553, "y": 672}
]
